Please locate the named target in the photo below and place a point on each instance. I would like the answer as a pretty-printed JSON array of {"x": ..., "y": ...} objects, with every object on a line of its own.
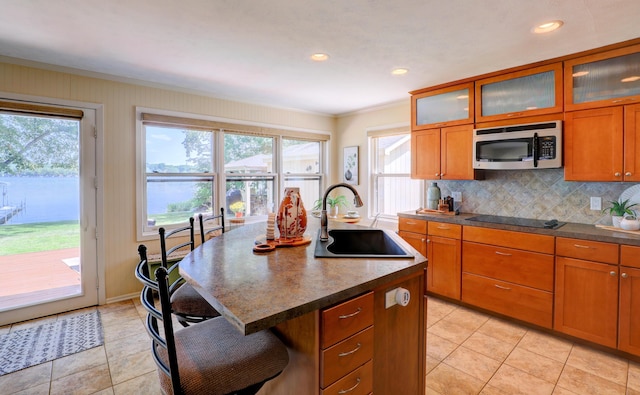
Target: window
[
  {"x": 392, "y": 189},
  {"x": 196, "y": 165}
]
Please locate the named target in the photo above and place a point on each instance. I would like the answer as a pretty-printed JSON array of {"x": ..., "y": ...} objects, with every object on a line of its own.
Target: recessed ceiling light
[
  {"x": 399, "y": 71},
  {"x": 580, "y": 74},
  {"x": 319, "y": 57},
  {"x": 630, "y": 79},
  {"x": 547, "y": 27}
]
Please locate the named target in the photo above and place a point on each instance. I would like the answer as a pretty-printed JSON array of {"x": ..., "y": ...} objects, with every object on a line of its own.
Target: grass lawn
[{"x": 45, "y": 236}]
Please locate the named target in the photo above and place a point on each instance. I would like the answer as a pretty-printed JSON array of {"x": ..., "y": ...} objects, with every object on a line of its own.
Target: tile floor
[
  {"x": 472, "y": 353},
  {"x": 467, "y": 353}
]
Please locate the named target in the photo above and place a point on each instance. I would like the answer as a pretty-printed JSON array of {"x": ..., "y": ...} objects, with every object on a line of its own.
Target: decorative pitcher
[{"x": 292, "y": 217}]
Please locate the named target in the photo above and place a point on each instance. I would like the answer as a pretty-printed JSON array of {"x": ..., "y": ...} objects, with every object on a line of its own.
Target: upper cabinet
[
  {"x": 534, "y": 91},
  {"x": 601, "y": 80},
  {"x": 442, "y": 107}
]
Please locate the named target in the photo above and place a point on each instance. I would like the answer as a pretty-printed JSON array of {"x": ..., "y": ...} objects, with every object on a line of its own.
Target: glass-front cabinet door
[
  {"x": 442, "y": 107},
  {"x": 601, "y": 80},
  {"x": 534, "y": 91}
]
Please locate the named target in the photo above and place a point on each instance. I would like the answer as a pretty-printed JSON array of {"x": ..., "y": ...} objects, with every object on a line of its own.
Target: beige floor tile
[
  {"x": 147, "y": 384},
  {"x": 601, "y": 364},
  {"x": 431, "y": 363},
  {"x": 467, "y": 318},
  {"x": 536, "y": 365},
  {"x": 517, "y": 382},
  {"x": 119, "y": 316},
  {"x": 106, "y": 391},
  {"x": 451, "y": 331},
  {"x": 131, "y": 366},
  {"x": 585, "y": 383},
  {"x": 489, "y": 390},
  {"x": 473, "y": 363},
  {"x": 120, "y": 348},
  {"x": 124, "y": 329},
  {"x": 503, "y": 330},
  {"x": 439, "y": 348},
  {"x": 563, "y": 391},
  {"x": 438, "y": 308},
  {"x": 74, "y": 313},
  {"x": 546, "y": 345},
  {"x": 633, "y": 381},
  {"x": 431, "y": 391},
  {"x": 42, "y": 389},
  {"x": 85, "y": 382},
  {"x": 632, "y": 392},
  {"x": 78, "y": 362},
  {"x": 449, "y": 381},
  {"x": 490, "y": 346},
  {"x": 26, "y": 378}
]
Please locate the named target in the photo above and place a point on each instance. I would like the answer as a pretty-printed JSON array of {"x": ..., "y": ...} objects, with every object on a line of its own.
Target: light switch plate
[
  {"x": 596, "y": 203},
  {"x": 390, "y": 298},
  {"x": 457, "y": 196}
]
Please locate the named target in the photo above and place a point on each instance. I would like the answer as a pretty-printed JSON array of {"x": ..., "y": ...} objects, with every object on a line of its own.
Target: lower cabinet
[
  {"x": 414, "y": 232},
  {"x": 586, "y": 290},
  {"x": 629, "y": 315},
  {"x": 347, "y": 346},
  {"x": 444, "y": 254},
  {"x": 502, "y": 273}
]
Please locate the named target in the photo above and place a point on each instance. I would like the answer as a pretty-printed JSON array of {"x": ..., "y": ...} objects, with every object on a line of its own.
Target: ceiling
[{"x": 258, "y": 51}]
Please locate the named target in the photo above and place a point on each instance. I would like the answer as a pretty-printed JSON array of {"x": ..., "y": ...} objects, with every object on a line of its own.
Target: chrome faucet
[{"x": 324, "y": 221}]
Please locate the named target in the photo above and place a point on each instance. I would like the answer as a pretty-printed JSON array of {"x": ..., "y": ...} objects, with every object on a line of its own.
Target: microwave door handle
[{"x": 535, "y": 150}]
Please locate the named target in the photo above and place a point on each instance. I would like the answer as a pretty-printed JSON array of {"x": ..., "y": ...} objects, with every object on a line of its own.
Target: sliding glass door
[{"x": 47, "y": 213}]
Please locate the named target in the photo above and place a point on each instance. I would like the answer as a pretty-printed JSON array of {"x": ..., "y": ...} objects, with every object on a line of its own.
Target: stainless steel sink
[{"x": 360, "y": 243}]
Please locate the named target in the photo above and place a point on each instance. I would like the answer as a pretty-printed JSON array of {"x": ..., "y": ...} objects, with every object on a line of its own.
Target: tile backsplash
[{"x": 539, "y": 194}]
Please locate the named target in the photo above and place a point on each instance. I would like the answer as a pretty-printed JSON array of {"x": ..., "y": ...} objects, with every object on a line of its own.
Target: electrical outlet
[
  {"x": 596, "y": 203},
  {"x": 457, "y": 196}
]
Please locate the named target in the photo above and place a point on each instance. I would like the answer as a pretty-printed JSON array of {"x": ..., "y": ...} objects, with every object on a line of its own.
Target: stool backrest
[{"x": 205, "y": 219}]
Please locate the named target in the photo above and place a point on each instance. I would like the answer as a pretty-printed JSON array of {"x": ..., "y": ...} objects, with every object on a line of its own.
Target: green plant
[
  {"x": 619, "y": 208},
  {"x": 340, "y": 201}
]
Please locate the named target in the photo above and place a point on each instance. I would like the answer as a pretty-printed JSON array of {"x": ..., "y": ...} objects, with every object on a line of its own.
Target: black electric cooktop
[{"x": 528, "y": 222}]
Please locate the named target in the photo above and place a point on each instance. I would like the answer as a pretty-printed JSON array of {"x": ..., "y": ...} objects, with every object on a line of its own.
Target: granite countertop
[
  {"x": 256, "y": 291},
  {"x": 570, "y": 229}
]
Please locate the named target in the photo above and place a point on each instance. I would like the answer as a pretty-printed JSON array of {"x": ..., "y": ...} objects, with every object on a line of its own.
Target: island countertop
[{"x": 256, "y": 291}]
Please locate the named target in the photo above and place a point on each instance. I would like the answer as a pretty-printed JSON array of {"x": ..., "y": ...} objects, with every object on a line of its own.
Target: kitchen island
[{"x": 294, "y": 294}]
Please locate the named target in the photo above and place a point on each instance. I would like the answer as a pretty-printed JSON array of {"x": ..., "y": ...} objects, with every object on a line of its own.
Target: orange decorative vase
[{"x": 292, "y": 217}]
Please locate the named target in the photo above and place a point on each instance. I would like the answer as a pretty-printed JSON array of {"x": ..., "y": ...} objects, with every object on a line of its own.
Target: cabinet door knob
[
  {"x": 624, "y": 275},
  {"x": 437, "y": 174},
  {"x": 628, "y": 174},
  {"x": 428, "y": 240},
  {"x": 612, "y": 273},
  {"x": 617, "y": 174}
]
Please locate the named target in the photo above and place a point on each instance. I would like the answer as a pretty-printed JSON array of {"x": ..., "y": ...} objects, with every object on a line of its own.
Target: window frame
[
  {"x": 375, "y": 176},
  {"x": 145, "y": 232}
]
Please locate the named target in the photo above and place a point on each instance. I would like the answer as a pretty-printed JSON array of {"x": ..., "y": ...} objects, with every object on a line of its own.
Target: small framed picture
[{"x": 350, "y": 164}]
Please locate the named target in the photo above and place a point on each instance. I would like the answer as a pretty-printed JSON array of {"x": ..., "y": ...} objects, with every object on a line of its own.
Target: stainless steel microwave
[{"x": 527, "y": 146}]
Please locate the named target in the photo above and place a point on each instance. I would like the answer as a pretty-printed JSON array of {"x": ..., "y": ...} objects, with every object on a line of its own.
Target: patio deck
[{"x": 30, "y": 278}]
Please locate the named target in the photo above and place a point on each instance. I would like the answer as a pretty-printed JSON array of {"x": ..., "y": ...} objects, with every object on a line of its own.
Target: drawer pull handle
[
  {"x": 344, "y": 354},
  {"x": 443, "y": 227},
  {"x": 410, "y": 223},
  {"x": 501, "y": 287},
  {"x": 502, "y": 253},
  {"x": 580, "y": 246},
  {"x": 342, "y": 317},
  {"x": 352, "y": 388}
]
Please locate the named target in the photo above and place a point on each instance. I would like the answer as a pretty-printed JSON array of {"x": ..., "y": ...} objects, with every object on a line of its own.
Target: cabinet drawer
[
  {"x": 630, "y": 256},
  {"x": 358, "y": 382},
  {"x": 444, "y": 229},
  {"x": 346, "y": 319},
  {"x": 520, "y": 267},
  {"x": 586, "y": 249},
  {"x": 416, "y": 240},
  {"x": 523, "y": 303},
  {"x": 344, "y": 357},
  {"x": 412, "y": 225},
  {"x": 506, "y": 238}
]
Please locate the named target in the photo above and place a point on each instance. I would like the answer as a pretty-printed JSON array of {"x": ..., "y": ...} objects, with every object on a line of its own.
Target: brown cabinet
[
  {"x": 602, "y": 80},
  {"x": 586, "y": 290},
  {"x": 438, "y": 108},
  {"x": 510, "y": 273},
  {"x": 444, "y": 257},
  {"x": 445, "y": 154},
  {"x": 602, "y": 144},
  {"x": 414, "y": 232},
  {"x": 530, "y": 92},
  {"x": 346, "y": 341},
  {"x": 629, "y": 315}
]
